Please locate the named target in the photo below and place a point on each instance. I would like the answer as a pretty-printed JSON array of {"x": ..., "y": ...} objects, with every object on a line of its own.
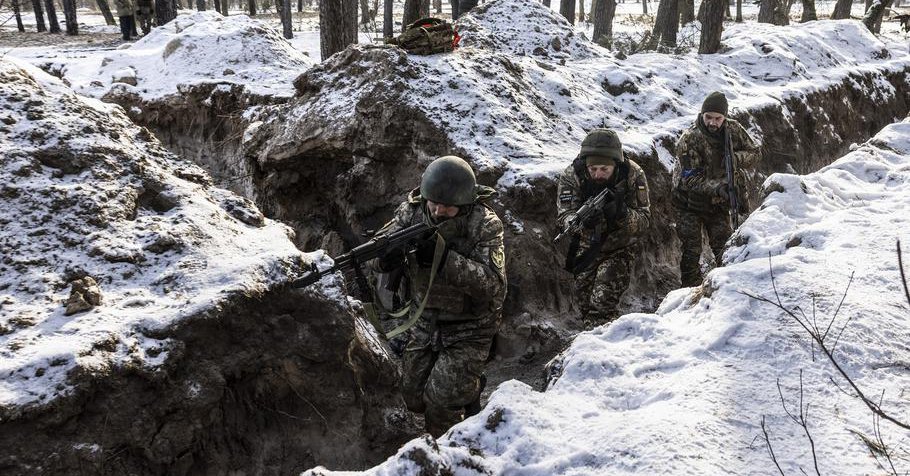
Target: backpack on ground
[{"x": 427, "y": 36}]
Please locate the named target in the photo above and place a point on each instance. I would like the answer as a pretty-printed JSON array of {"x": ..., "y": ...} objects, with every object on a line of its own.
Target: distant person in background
[
  {"x": 145, "y": 12},
  {"x": 701, "y": 194},
  {"x": 125, "y": 10}
]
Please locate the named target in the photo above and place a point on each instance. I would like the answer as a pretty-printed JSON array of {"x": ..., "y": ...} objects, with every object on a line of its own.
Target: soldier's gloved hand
[
  {"x": 425, "y": 251},
  {"x": 391, "y": 260},
  {"x": 610, "y": 210},
  {"x": 593, "y": 221}
]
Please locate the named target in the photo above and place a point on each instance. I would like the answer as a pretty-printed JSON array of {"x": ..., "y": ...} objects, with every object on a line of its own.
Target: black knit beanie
[{"x": 715, "y": 102}]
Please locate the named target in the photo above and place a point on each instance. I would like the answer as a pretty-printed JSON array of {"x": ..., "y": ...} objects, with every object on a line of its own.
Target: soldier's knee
[{"x": 451, "y": 393}]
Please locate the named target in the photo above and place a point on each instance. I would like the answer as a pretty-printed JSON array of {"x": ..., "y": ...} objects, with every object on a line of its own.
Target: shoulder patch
[{"x": 498, "y": 257}]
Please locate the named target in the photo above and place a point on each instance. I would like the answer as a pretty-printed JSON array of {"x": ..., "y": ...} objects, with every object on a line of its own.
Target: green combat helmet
[
  {"x": 449, "y": 180},
  {"x": 604, "y": 143}
]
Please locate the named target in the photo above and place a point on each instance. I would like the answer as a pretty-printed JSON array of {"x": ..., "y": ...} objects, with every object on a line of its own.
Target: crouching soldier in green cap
[
  {"x": 701, "y": 190},
  {"x": 601, "y": 255},
  {"x": 456, "y": 284}
]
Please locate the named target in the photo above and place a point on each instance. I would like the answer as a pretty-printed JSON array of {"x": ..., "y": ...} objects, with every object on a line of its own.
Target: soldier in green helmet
[
  {"x": 601, "y": 255},
  {"x": 701, "y": 192},
  {"x": 443, "y": 360}
]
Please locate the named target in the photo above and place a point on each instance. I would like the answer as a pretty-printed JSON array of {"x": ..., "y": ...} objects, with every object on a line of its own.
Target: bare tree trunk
[
  {"x": 51, "y": 16},
  {"x": 217, "y": 4},
  {"x": 106, "y": 12},
  {"x": 712, "y": 27},
  {"x": 841, "y": 10},
  {"x": 644, "y": 7},
  {"x": 686, "y": 11},
  {"x": 164, "y": 11},
  {"x": 868, "y": 4},
  {"x": 387, "y": 19},
  {"x": 808, "y": 11},
  {"x": 437, "y": 6},
  {"x": 581, "y": 11},
  {"x": 364, "y": 12},
  {"x": 782, "y": 13},
  {"x": 666, "y": 24},
  {"x": 39, "y": 16},
  {"x": 727, "y": 14},
  {"x": 739, "y": 11},
  {"x": 424, "y": 8},
  {"x": 567, "y": 9},
  {"x": 251, "y": 7},
  {"x": 455, "y": 12},
  {"x": 69, "y": 14},
  {"x": 604, "y": 11},
  {"x": 766, "y": 11},
  {"x": 701, "y": 12},
  {"x": 546, "y": 3},
  {"x": 287, "y": 22},
  {"x": 299, "y": 6},
  {"x": 19, "y": 25},
  {"x": 200, "y": 5},
  {"x": 337, "y": 25},
  {"x": 411, "y": 12},
  {"x": 873, "y": 17},
  {"x": 464, "y": 6}
]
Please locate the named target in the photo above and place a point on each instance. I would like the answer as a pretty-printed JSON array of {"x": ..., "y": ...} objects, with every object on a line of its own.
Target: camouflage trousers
[
  {"x": 599, "y": 288},
  {"x": 440, "y": 376},
  {"x": 689, "y": 226}
]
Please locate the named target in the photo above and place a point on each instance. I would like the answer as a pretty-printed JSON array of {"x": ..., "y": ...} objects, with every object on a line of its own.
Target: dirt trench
[
  {"x": 334, "y": 188},
  {"x": 273, "y": 385}
]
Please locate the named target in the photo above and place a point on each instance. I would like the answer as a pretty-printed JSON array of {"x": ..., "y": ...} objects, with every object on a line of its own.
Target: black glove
[
  {"x": 592, "y": 221},
  {"x": 425, "y": 251},
  {"x": 392, "y": 259}
]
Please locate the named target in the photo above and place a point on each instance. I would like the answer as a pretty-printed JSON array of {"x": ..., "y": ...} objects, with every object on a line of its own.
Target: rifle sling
[{"x": 437, "y": 258}]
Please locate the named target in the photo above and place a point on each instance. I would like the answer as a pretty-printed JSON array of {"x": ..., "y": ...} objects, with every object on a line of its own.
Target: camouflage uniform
[
  {"x": 449, "y": 344},
  {"x": 697, "y": 177},
  {"x": 599, "y": 287}
]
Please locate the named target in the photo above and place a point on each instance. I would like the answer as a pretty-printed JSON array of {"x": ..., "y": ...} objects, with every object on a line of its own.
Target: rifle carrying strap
[{"x": 437, "y": 258}]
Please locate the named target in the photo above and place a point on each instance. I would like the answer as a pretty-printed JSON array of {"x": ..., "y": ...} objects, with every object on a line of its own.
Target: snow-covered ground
[
  {"x": 684, "y": 390},
  {"x": 86, "y": 192}
]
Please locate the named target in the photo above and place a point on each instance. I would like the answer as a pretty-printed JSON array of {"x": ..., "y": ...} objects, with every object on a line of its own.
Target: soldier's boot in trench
[{"x": 474, "y": 407}]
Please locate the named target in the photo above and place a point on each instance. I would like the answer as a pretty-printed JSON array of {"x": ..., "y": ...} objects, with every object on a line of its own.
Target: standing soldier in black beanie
[{"x": 701, "y": 190}]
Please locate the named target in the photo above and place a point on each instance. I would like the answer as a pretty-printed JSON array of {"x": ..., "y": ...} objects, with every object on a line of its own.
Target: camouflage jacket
[
  {"x": 628, "y": 181},
  {"x": 699, "y": 169},
  {"x": 468, "y": 292}
]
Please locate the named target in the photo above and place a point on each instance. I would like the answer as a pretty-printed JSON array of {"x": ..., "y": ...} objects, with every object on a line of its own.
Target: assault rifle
[
  {"x": 594, "y": 205},
  {"x": 378, "y": 246},
  {"x": 731, "y": 184}
]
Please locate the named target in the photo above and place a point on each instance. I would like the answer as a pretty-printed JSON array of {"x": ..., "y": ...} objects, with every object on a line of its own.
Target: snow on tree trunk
[
  {"x": 808, "y": 11},
  {"x": 39, "y": 16},
  {"x": 686, "y": 11},
  {"x": 411, "y": 13},
  {"x": 712, "y": 26},
  {"x": 52, "y": 16},
  {"x": 841, "y": 9},
  {"x": 337, "y": 25},
  {"x": 873, "y": 17},
  {"x": 665, "y": 25},
  {"x": 106, "y": 12},
  {"x": 164, "y": 11},
  {"x": 567, "y": 9},
  {"x": 18, "y": 14},
  {"x": 286, "y": 21},
  {"x": 387, "y": 18}
]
